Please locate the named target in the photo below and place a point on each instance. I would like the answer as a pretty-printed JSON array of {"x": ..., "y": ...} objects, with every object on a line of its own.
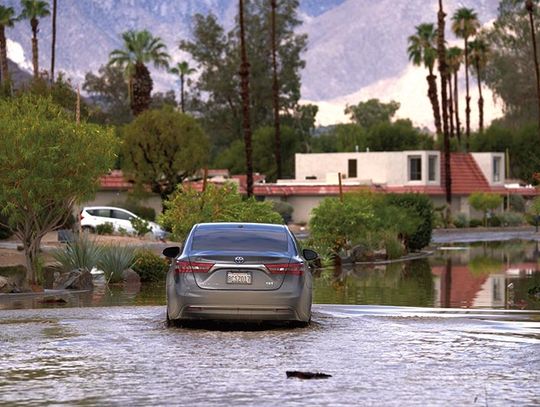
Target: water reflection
[{"x": 488, "y": 275}]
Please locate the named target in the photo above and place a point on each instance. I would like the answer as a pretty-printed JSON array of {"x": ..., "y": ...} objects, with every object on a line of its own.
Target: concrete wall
[
  {"x": 390, "y": 168},
  {"x": 303, "y": 205},
  {"x": 485, "y": 162}
]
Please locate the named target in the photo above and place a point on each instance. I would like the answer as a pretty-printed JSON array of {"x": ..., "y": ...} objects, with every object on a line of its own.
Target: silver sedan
[{"x": 239, "y": 272}]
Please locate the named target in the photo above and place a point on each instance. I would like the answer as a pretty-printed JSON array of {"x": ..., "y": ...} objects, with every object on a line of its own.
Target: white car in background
[{"x": 92, "y": 216}]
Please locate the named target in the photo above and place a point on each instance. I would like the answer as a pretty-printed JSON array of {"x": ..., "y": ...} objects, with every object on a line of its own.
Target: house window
[
  {"x": 432, "y": 168},
  {"x": 415, "y": 168},
  {"x": 496, "y": 169},
  {"x": 353, "y": 169}
]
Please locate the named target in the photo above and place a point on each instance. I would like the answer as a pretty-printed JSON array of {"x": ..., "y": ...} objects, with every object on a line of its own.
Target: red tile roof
[{"x": 115, "y": 181}]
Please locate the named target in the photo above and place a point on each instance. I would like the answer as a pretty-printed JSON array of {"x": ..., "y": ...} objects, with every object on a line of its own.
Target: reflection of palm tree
[
  {"x": 465, "y": 24},
  {"x": 7, "y": 19},
  {"x": 33, "y": 10},
  {"x": 479, "y": 49},
  {"x": 139, "y": 49},
  {"x": 422, "y": 51},
  {"x": 454, "y": 60},
  {"x": 182, "y": 69}
]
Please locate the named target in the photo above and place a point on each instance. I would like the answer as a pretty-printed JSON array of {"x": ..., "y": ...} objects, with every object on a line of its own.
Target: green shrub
[
  {"x": 114, "y": 260},
  {"x": 81, "y": 253},
  {"x": 187, "y": 207},
  {"x": 422, "y": 207},
  {"x": 285, "y": 209},
  {"x": 149, "y": 266},
  {"x": 141, "y": 226},
  {"x": 517, "y": 203},
  {"x": 393, "y": 246},
  {"x": 461, "y": 220},
  {"x": 494, "y": 221},
  {"x": 511, "y": 219},
  {"x": 135, "y": 207},
  {"x": 106, "y": 228},
  {"x": 474, "y": 223}
]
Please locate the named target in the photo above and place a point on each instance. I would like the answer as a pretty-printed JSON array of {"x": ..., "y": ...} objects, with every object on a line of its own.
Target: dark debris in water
[{"x": 307, "y": 375}]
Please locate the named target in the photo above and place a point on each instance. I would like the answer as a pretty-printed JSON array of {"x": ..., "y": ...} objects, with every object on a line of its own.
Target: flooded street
[
  {"x": 376, "y": 356},
  {"x": 461, "y": 328}
]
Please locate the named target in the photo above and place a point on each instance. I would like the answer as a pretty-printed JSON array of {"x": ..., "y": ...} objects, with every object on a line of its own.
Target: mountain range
[{"x": 356, "y": 48}]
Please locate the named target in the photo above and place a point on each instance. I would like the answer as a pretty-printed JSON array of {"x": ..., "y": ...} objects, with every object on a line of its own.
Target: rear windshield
[{"x": 240, "y": 240}]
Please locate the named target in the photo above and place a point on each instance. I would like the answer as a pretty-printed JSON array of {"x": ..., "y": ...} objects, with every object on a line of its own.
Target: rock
[
  {"x": 74, "y": 280},
  {"x": 307, "y": 375},
  {"x": 360, "y": 253},
  {"x": 131, "y": 277},
  {"x": 8, "y": 287},
  {"x": 53, "y": 300}
]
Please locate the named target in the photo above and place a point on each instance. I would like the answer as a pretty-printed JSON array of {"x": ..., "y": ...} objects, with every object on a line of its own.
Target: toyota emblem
[{"x": 239, "y": 260}]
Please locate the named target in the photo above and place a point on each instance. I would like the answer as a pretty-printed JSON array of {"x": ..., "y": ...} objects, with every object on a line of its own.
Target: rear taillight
[
  {"x": 81, "y": 217},
  {"x": 183, "y": 266},
  {"x": 286, "y": 268}
]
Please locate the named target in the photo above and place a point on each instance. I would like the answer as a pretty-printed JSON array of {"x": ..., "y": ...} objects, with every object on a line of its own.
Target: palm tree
[
  {"x": 7, "y": 19},
  {"x": 244, "y": 90},
  {"x": 441, "y": 51},
  {"x": 454, "y": 60},
  {"x": 422, "y": 51},
  {"x": 275, "y": 92},
  {"x": 480, "y": 50},
  {"x": 33, "y": 10},
  {"x": 450, "y": 94},
  {"x": 139, "y": 48},
  {"x": 465, "y": 24},
  {"x": 182, "y": 69},
  {"x": 529, "y": 6},
  {"x": 53, "y": 40}
]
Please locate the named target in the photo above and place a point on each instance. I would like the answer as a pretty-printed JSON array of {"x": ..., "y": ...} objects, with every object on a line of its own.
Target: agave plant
[
  {"x": 82, "y": 253},
  {"x": 114, "y": 260}
]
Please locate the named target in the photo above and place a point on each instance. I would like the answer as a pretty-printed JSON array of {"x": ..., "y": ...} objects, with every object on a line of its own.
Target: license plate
[{"x": 238, "y": 278}]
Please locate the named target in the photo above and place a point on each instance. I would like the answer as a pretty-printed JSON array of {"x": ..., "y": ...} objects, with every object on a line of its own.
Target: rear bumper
[{"x": 186, "y": 301}]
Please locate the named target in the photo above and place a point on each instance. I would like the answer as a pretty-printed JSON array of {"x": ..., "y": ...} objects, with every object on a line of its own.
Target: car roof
[
  {"x": 105, "y": 207},
  {"x": 235, "y": 225}
]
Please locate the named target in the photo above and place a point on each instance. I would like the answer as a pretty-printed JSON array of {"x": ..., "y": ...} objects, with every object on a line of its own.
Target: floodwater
[{"x": 460, "y": 328}]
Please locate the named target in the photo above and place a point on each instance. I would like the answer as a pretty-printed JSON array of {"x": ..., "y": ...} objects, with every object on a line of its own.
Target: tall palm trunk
[
  {"x": 441, "y": 50},
  {"x": 451, "y": 105},
  {"x": 434, "y": 99},
  {"x": 34, "y": 22},
  {"x": 275, "y": 94},
  {"x": 244, "y": 81},
  {"x": 53, "y": 42},
  {"x": 141, "y": 89},
  {"x": 456, "y": 106},
  {"x": 530, "y": 9},
  {"x": 480, "y": 99},
  {"x": 182, "y": 102},
  {"x": 467, "y": 97},
  {"x": 3, "y": 56}
]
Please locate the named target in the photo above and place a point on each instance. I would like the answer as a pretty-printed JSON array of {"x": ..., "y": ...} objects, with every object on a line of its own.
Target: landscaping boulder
[
  {"x": 131, "y": 277},
  {"x": 7, "y": 286},
  {"x": 74, "y": 280},
  {"x": 360, "y": 253}
]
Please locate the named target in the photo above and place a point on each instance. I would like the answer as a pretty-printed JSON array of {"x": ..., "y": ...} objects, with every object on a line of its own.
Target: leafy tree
[
  {"x": 48, "y": 163},
  {"x": 275, "y": 89},
  {"x": 33, "y": 10},
  {"x": 187, "y": 207},
  {"x": 162, "y": 148},
  {"x": 397, "y": 136},
  {"x": 139, "y": 49},
  {"x": 530, "y": 6},
  {"x": 485, "y": 202},
  {"x": 107, "y": 90},
  {"x": 465, "y": 23},
  {"x": 182, "y": 70},
  {"x": 7, "y": 19},
  {"x": 422, "y": 51},
  {"x": 480, "y": 50},
  {"x": 368, "y": 114},
  {"x": 217, "y": 99},
  {"x": 525, "y": 154},
  {"x": 162, "y": 99}
]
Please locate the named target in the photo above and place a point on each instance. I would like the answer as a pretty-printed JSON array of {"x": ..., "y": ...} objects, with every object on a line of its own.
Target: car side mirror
[
  {"x": 309, "y": 255},
  {"x": 171, "y": 252}
]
